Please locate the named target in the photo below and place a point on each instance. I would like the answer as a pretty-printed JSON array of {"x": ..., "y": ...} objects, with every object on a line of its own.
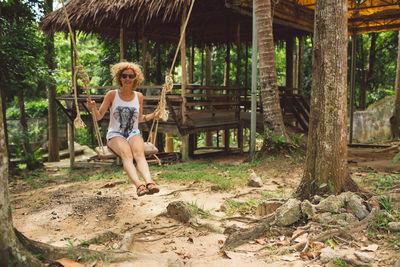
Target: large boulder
[{"x": 288, "y": 213}]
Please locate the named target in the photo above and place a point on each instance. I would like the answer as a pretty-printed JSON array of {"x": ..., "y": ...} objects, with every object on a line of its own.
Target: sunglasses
[{"x": 131, "y": 76}]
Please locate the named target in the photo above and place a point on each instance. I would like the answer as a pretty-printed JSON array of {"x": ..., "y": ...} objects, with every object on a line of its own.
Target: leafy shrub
[{"x": 34, "y": 109}]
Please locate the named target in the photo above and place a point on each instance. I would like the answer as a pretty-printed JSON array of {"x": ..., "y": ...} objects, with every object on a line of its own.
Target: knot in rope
[
  {"x": 167, "y": 87},
  {"x": 84, "y": 76}
]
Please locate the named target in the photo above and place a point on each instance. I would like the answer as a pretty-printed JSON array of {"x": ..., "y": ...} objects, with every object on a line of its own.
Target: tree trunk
[
  {"x": 272, "y": 113},
  {"x": 227, "y": 65},
  {"x": 26, "y": 146},
  {"x": 3, "y": 95},
  {"x": 11, "y": 251},
  {"x": 395, "y": 119},
  {"x": 326, "y": 169},
  {"x": 51, "y": 94}
]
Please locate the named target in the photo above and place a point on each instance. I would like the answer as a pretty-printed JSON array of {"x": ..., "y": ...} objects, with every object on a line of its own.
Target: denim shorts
[{"x": 111, "y": 135}]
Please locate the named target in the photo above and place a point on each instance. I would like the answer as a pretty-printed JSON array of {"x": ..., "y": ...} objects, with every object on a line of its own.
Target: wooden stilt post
[
  {"x": 121, "y": 44},
  {"x": 169, "y": 143},
  {"x": 208, "y": 66},
  {"x": 185, "y": 139},
  {"x": 289, "y": 62},
  {"x": 227, "y": 82},
  {"x": 144, "y": 62},
  {"x": 191, "y": 66},
  {"x": 71, "y": 136},
  {"x": 300, "y": 62},
  {"x": 238, "y": 62},
  {"x": 352, "y": 84},
  {"x": 238, "y": 83},
  {"x": 202, "y": 67}
]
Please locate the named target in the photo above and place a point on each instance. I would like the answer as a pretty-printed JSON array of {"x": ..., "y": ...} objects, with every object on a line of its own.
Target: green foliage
[
  {"x": 386, "y": 203},
  {"x": 199, "y": 210},
  {"x": 34, "y": 109},
  {"x": 297, "y": 139},
  {"x": 19, "y": 139},
  {"x": 396, "y": 158},
  {"x": 272, "y": 142},
  {"x": 383, "y": 181},
  {"x": 22, "y": 48},
  {"x": 340, "y": 262}
]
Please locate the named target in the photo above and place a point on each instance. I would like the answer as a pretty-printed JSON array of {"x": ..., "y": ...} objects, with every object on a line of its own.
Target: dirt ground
[{"x": 73, "y": 213}]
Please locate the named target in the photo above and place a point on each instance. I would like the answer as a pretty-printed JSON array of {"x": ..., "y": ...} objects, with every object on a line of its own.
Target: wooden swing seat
[{"x": 105, "y": 152}]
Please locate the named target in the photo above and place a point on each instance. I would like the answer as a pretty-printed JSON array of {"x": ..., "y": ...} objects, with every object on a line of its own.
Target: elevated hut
[{"x": 196, "y": 108}]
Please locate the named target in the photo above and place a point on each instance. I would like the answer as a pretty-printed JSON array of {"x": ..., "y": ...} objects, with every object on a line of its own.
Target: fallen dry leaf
[
  {"x": 109, "y": 185},
  {"x": 261, "y": 241},
  {"x": 304, "y": 255},
  {"x": 289, "y": 258},
  {"x": 372, "y": 248},
  {"x": 224, "y": 254},
  {"x": 317, "y": 246}
]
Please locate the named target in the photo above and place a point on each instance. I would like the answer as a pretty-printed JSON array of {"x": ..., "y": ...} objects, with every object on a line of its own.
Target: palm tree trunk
[{"x": 272, "y": 112}]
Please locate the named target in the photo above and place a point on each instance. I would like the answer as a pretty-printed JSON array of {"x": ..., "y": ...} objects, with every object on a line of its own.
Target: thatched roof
[
  {"x": 367, "y": 15},
  {"x": 212, "y": 21},
  {"x": 159, "y": 20},
  {"x": 363, "y": 15}
]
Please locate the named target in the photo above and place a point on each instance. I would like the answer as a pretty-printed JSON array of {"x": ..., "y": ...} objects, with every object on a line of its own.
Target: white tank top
[{"x": 124, "y": 117}]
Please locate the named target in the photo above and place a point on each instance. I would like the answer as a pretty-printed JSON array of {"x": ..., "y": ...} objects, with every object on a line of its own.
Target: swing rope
[
  {"x": 168, "y": 85},
  {"x": 78, "y": 122},
  {"x": 161, "y": 107}
]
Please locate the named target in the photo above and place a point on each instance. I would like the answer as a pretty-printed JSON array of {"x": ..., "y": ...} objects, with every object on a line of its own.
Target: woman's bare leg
[
  {"x": 137, "y": 147},
  {"x": 122, "y": 148}
]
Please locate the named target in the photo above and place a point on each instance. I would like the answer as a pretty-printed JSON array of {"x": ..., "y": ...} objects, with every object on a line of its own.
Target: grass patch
[
  {"x": 381, "y": 182},
  {"x": 223, "y": 175},
  {"x": 200, "y": 211},
  {"x": 243, "y": 208}
]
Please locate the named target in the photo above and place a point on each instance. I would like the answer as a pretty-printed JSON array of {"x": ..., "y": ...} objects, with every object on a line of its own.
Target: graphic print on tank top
[{"x": 126, "y": 117}]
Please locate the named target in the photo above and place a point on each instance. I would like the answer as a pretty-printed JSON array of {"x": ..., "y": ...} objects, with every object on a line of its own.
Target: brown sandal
[
  {"x": 152, "y": 188},
  {"x": 141, "y": 190}
]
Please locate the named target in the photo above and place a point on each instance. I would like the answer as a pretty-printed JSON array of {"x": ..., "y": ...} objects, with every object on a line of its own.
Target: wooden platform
[{"x": 201, "y": 109}]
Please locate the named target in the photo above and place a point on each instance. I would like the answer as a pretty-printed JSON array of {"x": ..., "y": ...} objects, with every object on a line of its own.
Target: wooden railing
[{"x": 207, "y": 100}]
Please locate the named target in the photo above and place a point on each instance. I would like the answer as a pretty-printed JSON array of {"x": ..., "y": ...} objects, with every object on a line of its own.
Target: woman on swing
[{"x": 126, "y": 111}]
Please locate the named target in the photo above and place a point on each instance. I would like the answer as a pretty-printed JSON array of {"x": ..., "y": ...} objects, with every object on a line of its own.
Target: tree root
[
  {"x": 240, "y": 237},
  {"x": 177, "y": 191},
  {"x": 50, "y": 253},
  {"x": 241, "y": 219},
  {"x": 343, "y": 231}
]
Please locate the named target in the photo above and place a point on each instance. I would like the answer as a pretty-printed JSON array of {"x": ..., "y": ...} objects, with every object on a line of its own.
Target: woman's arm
[
  {"x": 147, "y": 117},
  {"x": 108, "y": 99}
]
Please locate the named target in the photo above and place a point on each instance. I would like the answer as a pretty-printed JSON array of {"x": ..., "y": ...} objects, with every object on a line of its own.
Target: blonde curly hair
[{"x": 118, "y": 68}]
